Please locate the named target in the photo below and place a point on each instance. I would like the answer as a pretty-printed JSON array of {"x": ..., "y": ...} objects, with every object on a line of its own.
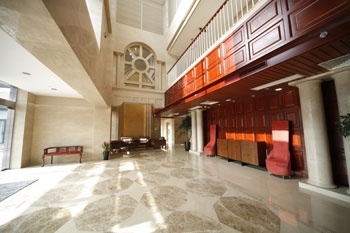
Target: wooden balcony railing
[{"x": 224, "y": 22}]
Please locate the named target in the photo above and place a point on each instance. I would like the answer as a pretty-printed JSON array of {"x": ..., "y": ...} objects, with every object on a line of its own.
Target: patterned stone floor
[{"x": 147, "y": 191}]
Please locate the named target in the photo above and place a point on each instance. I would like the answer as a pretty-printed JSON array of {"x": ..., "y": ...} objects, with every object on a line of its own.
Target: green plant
[
  {"x": 185, "y": 127},
  {"x": 344, "y": 125},
  {"x": 106, "y": 146}
]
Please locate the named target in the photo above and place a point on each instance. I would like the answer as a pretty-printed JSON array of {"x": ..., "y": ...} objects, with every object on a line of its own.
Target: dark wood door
[{"x": 336, "y": 145}]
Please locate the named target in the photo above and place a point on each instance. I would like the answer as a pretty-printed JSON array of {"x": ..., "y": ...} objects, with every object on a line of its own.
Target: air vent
[
  {"x": 336, "y": 63},
  {"x": 253, "y": 68}
]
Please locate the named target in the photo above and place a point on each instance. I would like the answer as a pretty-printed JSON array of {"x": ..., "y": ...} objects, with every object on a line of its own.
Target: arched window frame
[{"x": 140, "y": 66}]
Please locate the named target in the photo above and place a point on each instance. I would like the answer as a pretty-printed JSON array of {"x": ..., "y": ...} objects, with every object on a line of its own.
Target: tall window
[
  {"x": 139, "y": 67},
  {"x": 7, "y": 106}
]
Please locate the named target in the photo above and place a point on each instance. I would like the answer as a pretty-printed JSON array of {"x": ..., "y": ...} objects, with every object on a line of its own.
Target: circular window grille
[{"x": 139, "y": 68}]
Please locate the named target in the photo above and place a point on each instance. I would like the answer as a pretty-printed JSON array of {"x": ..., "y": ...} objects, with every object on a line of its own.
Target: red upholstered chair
[
  {"x": 278, "y": 161},
  {"x": 210, "y": 148}
]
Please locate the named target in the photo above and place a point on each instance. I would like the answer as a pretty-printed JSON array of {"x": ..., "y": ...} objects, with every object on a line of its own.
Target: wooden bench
[{"x": 62, "y": 150}]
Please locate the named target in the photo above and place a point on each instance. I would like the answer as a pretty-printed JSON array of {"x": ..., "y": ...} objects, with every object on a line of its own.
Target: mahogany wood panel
[
  {"x": 235, "y": 122},
  {"x": 234, "y": 42},
  {"x": 308, "y": 16},
  {"x": 234, "y": 150},
  {"x": 221, "y": 145},
  {"x": 235, "y": 60},
  {"x": 269, "y": 40},
  {"x": 267, "y": 16},
  {"x": 276, "y": 26},
  {"x": 253, "y": 153},
  {"x": 198, "y": 70},
  {"x": 198, "y": 83},
  {"x": 213, "y": 74},
  {"x": 213, "y": 58}
]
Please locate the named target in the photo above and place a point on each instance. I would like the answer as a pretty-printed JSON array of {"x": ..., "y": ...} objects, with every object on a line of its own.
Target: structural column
[
  {"x": 315, "y": 134},
  {"x": 193, "y": 131},
  {"x": 342, "y": 86},
  {"x": 199, "y": 115},
  {"x": 119, "y": 68}
]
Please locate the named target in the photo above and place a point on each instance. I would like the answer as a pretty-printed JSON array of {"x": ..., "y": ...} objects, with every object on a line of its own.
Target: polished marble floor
[{"x": 164, "y": 191}]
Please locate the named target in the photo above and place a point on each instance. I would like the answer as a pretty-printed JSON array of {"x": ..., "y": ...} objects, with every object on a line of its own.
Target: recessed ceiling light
[
  {"x": 278, "y": 89},
  {"x": 209, "y": 102},
  {"x": 228, "y": 100},
  {"x": 26, "y": 73}
]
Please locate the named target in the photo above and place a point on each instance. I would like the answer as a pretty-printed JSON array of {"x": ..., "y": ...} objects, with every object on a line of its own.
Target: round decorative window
[{"x": 139, "y": 68}]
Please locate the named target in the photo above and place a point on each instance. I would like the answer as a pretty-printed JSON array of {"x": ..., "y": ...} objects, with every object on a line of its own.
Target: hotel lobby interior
[{"x": 264, "y": 84}]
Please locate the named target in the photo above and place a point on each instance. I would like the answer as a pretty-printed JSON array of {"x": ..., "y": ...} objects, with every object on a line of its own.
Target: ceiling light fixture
[
  {"x": 278, "y": 89},
  {"x": 274, "y": 83},
  {"x": 194, "y": 108},
  {"x": 208, "y": 102}
]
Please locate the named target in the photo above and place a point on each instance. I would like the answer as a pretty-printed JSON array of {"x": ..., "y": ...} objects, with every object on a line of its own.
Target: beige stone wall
[
  {"x": 22, "y": 130},
  {"x": 66, "y": 121}
]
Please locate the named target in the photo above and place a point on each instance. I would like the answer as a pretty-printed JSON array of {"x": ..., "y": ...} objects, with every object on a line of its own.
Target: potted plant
[
  {"x": 106, "y": 149},
  {"x": 185, "y": 128},
  {"x": 344, "y": 125}
]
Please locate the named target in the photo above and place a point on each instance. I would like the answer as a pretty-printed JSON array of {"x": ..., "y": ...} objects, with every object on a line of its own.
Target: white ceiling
[{"x": 14, "y": 60}]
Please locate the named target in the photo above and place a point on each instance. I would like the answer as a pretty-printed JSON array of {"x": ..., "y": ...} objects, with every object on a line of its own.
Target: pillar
[
  {"x": 342, "y": 86},
  {"x": 119, "y": 68},
  {"x": 199, "y": 115},
  {"x": 193, "y": 131},
  {"x": 315, "y": 134}
]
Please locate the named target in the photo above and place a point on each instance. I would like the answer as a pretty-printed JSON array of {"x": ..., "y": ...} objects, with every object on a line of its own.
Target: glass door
[{"x": 7, "y": 106}]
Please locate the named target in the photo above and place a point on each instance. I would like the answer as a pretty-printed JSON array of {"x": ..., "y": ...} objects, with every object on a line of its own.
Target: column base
[
  {"x": 326, "y": 186},
  {"x": 340, "y": 193},
  {"x": 195, "y": 152}
]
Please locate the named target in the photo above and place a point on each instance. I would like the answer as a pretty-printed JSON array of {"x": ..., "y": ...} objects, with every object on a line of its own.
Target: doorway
[{"x": 7, "y": 112}]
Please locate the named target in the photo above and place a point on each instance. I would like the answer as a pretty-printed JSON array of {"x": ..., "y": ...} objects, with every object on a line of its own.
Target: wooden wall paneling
[
  {"x": 221, "y": 147},
  {"x": 198, "y": 76},
  {"x": 250, "y": 120},
  {"x": 233, "y": 42},
  {"x": 260, "y": 104},
  {"x": 214, "y": 73},
  {"x": 290, "y": 98},
  {"x": 235, "y": 60},
  {"x": 240, "y": 129},
  {"x": 239, "y": 107},
  {"x": 189, "y": 83},
  {"x": 298, "y": 162},
  {"x": 213, "y": 58},
  {"x": 274, "y": 102},
  {"x": 212, "y": 66},
  {"x": 270, "y": 40},
  {"x": 234, "y": 150},
  {"x": 305, "y": 17},
  {"x": 234, "y": 51},
  {"x": 260, "y": 135},
  {"x": 266, "y": 17},
  {"x": 294, "y": 4}
]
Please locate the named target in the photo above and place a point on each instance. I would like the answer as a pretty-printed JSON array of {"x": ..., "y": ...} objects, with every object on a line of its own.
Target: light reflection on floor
[{"x": 165, "y": 191}]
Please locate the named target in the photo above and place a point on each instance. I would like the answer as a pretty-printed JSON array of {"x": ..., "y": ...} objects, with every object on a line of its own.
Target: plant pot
[
  {"x": 105, "y": 155},
  {"x": 187, "y": 145}
]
